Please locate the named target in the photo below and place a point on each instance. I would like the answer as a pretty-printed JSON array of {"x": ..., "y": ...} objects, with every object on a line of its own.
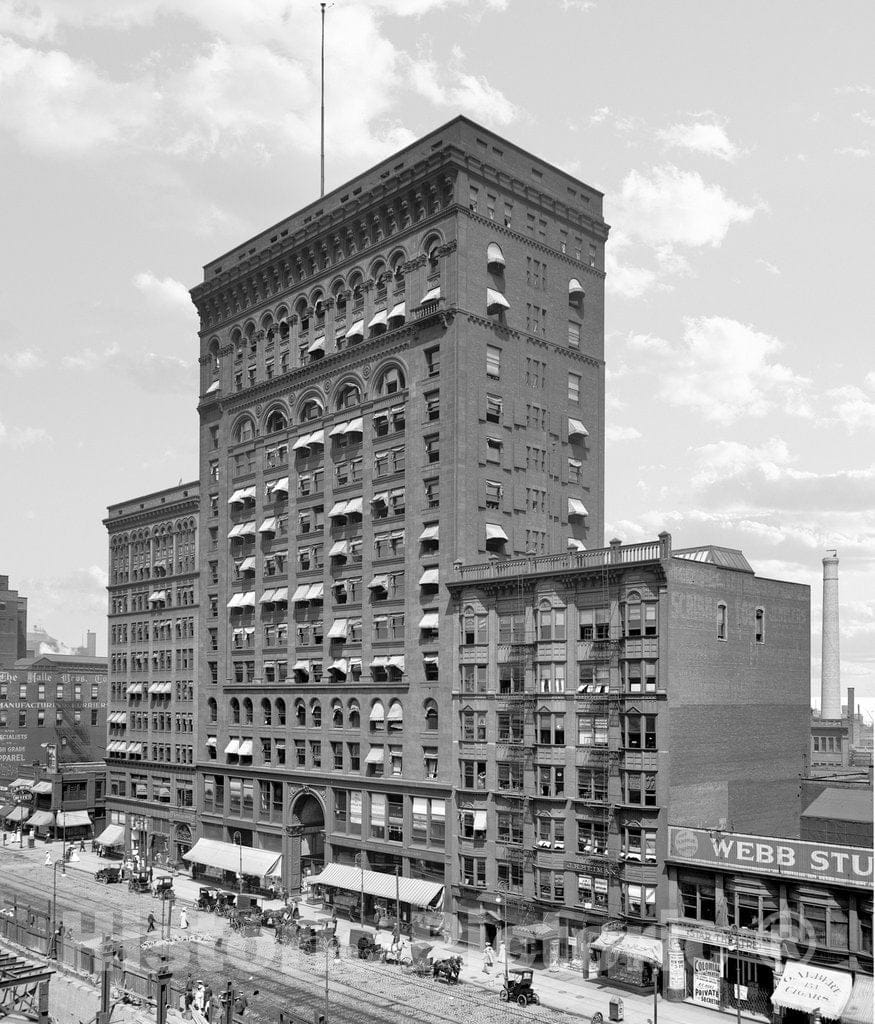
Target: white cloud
[
  {"x": 23, "y": 437},
  {"x": 700, "y": 137},
  {"x": 617, "y": 433},
  {"x": 723, "y": 370},
  {"x": 851, "y": 406},
  {"x": 165, "y": 290},
  {"x": 451, "y": 86},
  {"x": 626, "y": 280},
  {"x": 150, "y": 371},
  {"x": 770, "y": 267},
  {"x": 83, "y": 589},
  {"x": 851, "y": 90},
  {"x": 21, "y": 361},
  {"x": 668, "y": 206},
  {"x": 860, "y": 152}
]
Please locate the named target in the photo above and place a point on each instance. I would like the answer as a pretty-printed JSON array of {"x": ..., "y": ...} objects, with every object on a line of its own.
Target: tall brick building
[
  {"x": 599, "y": 696},
  {"x": 13, "y": 625},
  {"x": 153, "y": 608},
  {"x": 406, "y": 373}
]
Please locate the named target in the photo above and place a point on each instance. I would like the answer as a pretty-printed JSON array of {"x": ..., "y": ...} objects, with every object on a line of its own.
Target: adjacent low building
[
  {"x": 769, "y": 925},
  {"x": 58, "y": 801}
]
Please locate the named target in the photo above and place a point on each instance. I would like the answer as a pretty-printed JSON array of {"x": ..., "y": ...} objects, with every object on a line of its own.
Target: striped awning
[{"x": 416, "y": 891}]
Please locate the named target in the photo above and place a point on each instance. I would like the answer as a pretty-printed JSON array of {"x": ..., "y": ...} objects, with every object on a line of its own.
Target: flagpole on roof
[{"x": 322, "y": 113}]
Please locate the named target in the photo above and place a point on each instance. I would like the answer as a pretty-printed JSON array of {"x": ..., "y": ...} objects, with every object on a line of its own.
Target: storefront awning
[
  {"x": 859, "y": 1008},
  {"x": 17, "y": 814},
  {"x": 44, "y": 788},
  {"x": 40, "y": 819},
  {"x": 640, "y": 947},
  {"x": 21, "y": 784},
  {"x": 808, "y": 988},
  {"x": 73, "y": 819},
  {"x": 112, "y": 835},
  {"x": 230, "y": 857},
  {"x": 415, "y": 891}
]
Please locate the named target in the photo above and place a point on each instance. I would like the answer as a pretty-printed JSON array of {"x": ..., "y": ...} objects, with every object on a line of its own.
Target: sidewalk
[{"x": 564, "y": 989}]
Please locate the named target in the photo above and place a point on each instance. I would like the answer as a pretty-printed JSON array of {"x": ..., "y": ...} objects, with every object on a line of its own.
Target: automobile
[
  {"x": 108, "y": 876},
  {"x": 519, "y": 987},
  {"x": 162, "y": 888},
  {"x": 207, "y": 898},
  {"x": 139, "y": 881}
]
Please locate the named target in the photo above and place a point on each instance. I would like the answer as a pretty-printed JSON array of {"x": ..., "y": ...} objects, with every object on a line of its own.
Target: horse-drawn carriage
[
  {"x": 139, "y": 881},
  {"x": 246, "y": 916}
]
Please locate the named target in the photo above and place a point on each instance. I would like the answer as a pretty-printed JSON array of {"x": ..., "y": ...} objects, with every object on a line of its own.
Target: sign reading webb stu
[{"x": 766, "y": 855}]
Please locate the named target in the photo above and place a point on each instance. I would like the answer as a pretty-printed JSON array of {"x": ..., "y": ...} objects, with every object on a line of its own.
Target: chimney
[
  {"x": 830, "y": 684},
  {"x": 91, "y": 644},
  {"x": 851, "y": 697}
]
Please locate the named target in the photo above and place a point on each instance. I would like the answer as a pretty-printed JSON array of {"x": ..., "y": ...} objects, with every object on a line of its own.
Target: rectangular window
[
  {"x": 493, "y": 449},
  {"x": 493, "y": 362},
  {"x": 493, "y": 494},
  {"x": 573, "y": 387},
  {"x": 432, "y": 448},
  {"x": 760, "y": 626},
  {"x": 433, "y": 361},
  {"x": 721, "y": 621},
  {"x": 493, "y": 409}
]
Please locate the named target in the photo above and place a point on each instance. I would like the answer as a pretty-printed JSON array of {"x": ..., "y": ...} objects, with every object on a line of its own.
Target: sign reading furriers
[{"x": 767, "y": 855}]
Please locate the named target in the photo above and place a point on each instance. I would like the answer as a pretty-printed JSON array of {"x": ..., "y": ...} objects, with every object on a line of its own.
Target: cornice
[{"x": 142, "y": 517}]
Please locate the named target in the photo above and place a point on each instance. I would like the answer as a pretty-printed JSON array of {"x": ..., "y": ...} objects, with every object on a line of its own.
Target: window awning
[
  {"x": 495, "y": 532},
  {"x": 494, "y": 255},
  {"x": 495, "y": 301},
  {"x": 576, "y": 545},
  {"x": 135, "y": 688},
  {"x": 212, "y": 741},
  {"x": 339, "y": 549},
  {"x": 640, "y": 947},
  {"x": 300, "y": 593},
  {"x": 44, "y": 788},
  {"x": 430, "y": 659},
  {"x": 279, "y": 485},
  {"x": 378, "y": 713},
  {"x": 112, "y": 835},
  {"x": 135, "y": 748},
  {"x": 17, "y": 814},
  {"x": 432, "y": 295},
  {"x": 214, "y": 387},
  {"x": 395, "y": 713},
  {"x": 315, "y": 591},
  {"x": 268, "y": 526},
  {"x": 575, "y": 288},
  {"x": 575, "y": 427},
  {"x": 380, "y": 582},
  {"x": 337, "y": 509},
  {"x": 380, "y": 661},
  {"x": 338, "y": 629},
  {"x": 233, "y": 747},
  {"x": 302, "y": 442},
  {"x": 429, "y": 533},
  {"x": 398, "y": 311},
  {"x": 317, "y": 345},
  {"x": 141, "y": 789},
  {"x": 267, "y": 597},
  {"x": 808, "y": 988},
  {"x": 859, "y": 1008},
  {"x": 378, "y": 319},
  {"x": 230, "y": 857},
  {"x": 21, "y": 784},
  {"x": 238, "y": 497},
  {"x": 479, "y": 821},
  {"x": 245, "y": 748},
  {"x": 339, "y": 665},
  {"x": 415, "y": 891},
  {"x": 302, "y": 665},
  {"x": 576, "y": 507},
  {"x": 396, "y": 661},
  {"x": 430, "y": 620},
  {"x": 73, "y": 819},
  {"x": 376, "y": 755},
  {"x": 281, "y": 595},
  {"x": 354, "y": 507},
  {"x": 236, "y": 601},
  {"x": 248, "y": 564},
  {"x": 430, "y": 578},
  {"x": 356, "y": 330},
  {"x": 40, "y": 819},
  {"x": 317, "y": 437},
  {"x": 158, "y": 595}
]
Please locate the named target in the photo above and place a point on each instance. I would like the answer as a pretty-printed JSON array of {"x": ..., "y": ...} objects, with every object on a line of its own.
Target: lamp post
[
  {"x": 237, "y": 839},
  {"x": 733, "y": 934},
  {"x": 54, "y": 940},
  {"x": 503, "y": 903},
  {"x": 360, "y": 863}
]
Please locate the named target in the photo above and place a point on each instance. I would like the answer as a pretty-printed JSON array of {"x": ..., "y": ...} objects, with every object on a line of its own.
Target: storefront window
[
  {"x": 824, "y": 923},
  {"x": 698, "y": 899},
  {"x": 865, "y": 919}
]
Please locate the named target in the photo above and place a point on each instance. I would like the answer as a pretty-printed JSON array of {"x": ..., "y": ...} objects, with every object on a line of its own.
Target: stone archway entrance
[{"x": 305, "y": 840}]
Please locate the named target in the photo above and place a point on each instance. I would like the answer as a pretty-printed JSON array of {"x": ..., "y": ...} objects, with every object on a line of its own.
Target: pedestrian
[
  {"x": 208, "y": 1001},
  {"x": 334, "y": 920},
  {"x": 82, "y": 845},
  {"x": 199, "y": 994},
  {"x": 151, "y": 921},
  {"x": 488, "y": 958},
  {"x": 48, "y": 860},
  {"x": 183, "y": 919},
  {"x": 150, "y": 876},
  {"x": 295, "y": 913}
]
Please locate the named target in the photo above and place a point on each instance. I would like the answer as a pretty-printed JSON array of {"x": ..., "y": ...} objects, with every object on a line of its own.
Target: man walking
[{"x": 151, "y": 920}]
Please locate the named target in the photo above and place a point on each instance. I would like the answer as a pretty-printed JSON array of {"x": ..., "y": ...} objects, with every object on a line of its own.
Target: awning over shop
[
  {"x": 641, "y": 947},
  {"x": 859, "y": 1008},
  {"x": 112, "y": 835},
  {"x": 230, "y": 857},
  {"x": 17, "y": 814},
  {"x": 21, "y": 784},
  {"x": 40, "y": 819},
  {"x": 73, "y": 819},
  {"x": 44, "y": 788},
  {"x": 415, "y": 891},
  {"x": 539, "y": 931},
  {"x": 808, "y": 988}
]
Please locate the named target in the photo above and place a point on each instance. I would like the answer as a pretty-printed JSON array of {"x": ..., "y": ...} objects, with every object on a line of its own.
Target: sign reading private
[{"x": 766, "y": 855}]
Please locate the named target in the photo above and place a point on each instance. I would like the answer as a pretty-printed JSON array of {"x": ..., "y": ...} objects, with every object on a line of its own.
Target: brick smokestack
[{"x": 830, "y": 682}]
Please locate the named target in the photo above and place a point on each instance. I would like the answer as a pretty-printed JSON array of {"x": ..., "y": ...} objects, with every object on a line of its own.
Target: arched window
[
  {"x": 395, "y": 717},
  {"x": 251, "y": 339},
  {"x": 377, "y": 716},
  {"x": 247, "y": 711},
  {"x": 235, "y": 711},
  {"x": 380, "y": 276},
  {"x": 212, "y": 710},
  {"x": 339, "y": 296},
  {"x": 431, "y": 716},
  {"x": 276, "y": 421},
  {"x": 495, "y": 258},
  {"x": 397, "y": 264},
  {"x": 319, "y": 310},
  {"x": 266, "y": 712},
  {"x": 311, "y": 409},
  {"x": 336, "y": 715},
  {"x": 575, "y": 294},
  {"x": 300, "y": 713},
  {"x": 244, "y": 431},
  {"x": 301, "y": 309},
  {"x": 355, "y": 715},
  {"x": 390, "y": 381},
  {"x": 722, "y": 621},
  {"x": 280, "y": 711},
  {"x": 213, "y": 353},
  {"x": 316, "y": 714},
  {"x": 349, "y": 396}
]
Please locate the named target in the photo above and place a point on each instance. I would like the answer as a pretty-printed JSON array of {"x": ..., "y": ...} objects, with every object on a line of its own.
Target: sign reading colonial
[{"x": 788, "y": 858}]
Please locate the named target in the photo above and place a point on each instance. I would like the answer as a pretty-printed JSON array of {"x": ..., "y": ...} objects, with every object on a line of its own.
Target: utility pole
[{"x": 322, "y": 112}]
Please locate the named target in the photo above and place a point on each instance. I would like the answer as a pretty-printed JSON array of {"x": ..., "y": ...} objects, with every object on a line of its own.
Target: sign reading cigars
[{"x": 766, "y": 855}]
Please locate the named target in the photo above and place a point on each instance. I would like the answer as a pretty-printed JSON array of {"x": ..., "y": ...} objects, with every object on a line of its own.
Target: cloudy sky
[{"x": 734, "y": 142}]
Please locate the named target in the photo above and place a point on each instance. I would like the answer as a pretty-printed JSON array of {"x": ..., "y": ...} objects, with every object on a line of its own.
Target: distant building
[
  {"x": 55, "y": 699},
  {"x": 40, "y": 642},
  {"x": 57, "y": 800},
  {"x": 13, "y": 625},
  {"x": 842, "y": 816},
  {"x": 153, "y": 607}
]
